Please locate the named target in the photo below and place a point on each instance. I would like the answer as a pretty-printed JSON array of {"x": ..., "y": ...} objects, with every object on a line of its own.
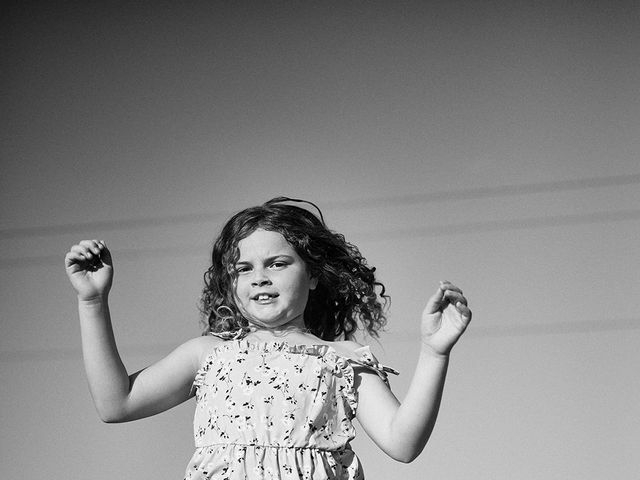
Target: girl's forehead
[{"x": 264, "y": 243}]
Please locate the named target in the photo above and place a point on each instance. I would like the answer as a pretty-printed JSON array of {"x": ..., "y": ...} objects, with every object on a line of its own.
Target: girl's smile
[{"x": 272, "y": 284}]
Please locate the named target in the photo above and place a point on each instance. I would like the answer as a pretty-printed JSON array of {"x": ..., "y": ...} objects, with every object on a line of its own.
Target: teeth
[{"x": 264, "y": 297}]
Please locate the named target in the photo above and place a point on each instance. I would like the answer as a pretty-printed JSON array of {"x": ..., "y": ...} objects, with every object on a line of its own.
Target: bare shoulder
[
  {"x": 346, "y": 348},
  {"x": 198, "y": 348}
]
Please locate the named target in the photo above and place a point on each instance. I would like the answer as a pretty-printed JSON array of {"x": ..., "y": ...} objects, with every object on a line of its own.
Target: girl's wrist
[
  {"x": 97, "y": 300},
  {"x": 429, "y": 351}
]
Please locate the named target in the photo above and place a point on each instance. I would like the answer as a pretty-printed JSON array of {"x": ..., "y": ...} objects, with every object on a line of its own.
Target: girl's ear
[{"x": 313, "y": 283}]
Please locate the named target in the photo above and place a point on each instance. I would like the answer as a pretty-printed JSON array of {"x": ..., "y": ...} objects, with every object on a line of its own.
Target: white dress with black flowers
[{"x": 271, "y": 410}]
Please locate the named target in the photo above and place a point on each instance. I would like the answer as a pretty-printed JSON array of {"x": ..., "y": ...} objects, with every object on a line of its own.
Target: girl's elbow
[
  {"x": 406, "y": 453},
  {"x": 110, "y": 415},
  {"x": 405, "y": 457}
]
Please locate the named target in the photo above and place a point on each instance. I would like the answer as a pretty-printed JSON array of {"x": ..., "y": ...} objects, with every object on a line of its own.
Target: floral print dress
[{"x": 271, "y": 410}]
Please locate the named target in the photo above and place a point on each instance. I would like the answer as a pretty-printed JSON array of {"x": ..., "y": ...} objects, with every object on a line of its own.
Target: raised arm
[
  {"x": 403, "y": 429},
  {"x": 118, "y": 396}
]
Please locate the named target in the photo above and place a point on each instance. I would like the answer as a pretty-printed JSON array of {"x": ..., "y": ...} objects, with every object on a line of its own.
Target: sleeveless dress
[{"x": 271, "y": 410}]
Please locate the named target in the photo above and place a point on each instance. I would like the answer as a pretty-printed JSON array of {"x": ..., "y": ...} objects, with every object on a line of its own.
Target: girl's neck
[{"x": 293, "y": 333}]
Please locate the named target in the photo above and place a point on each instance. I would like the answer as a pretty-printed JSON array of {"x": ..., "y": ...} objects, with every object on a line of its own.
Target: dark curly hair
[{"x": 347, "y": 294}]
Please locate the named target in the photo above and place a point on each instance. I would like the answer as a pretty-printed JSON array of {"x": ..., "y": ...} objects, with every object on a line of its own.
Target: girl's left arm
[{"x": 402, "y": 429}]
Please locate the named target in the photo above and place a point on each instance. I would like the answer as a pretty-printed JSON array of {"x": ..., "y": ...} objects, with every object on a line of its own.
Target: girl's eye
[
  {"x": 278, "y": 264},
  {"x": 240, "y": 270}
]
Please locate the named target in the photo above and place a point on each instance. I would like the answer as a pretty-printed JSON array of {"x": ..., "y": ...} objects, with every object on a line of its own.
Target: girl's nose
[{"x": 260, "y": 281}]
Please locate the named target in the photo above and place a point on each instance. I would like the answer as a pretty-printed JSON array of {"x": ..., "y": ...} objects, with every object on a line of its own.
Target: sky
[{"x": 494, "y": 144}]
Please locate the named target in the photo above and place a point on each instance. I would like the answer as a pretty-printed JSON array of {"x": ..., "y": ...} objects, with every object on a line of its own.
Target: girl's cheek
[
  {"x": 238, "y": 286},
  {"x": 237, "y": 295}
]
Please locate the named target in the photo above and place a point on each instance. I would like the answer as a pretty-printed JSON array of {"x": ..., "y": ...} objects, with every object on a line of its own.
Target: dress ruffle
[{"x": 345, "y": 365}]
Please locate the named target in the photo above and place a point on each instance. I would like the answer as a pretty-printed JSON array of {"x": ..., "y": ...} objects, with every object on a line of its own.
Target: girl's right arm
[{"x": 118, "y": 396}]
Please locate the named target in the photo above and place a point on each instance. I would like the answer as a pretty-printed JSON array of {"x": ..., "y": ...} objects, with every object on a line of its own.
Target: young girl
[{"x": 277, "y": 378}]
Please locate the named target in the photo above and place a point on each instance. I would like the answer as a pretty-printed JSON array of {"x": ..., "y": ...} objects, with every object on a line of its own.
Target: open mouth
[{"x": 264, "y": 297}]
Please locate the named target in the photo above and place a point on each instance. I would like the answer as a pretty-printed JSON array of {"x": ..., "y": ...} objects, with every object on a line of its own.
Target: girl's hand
[
  {"x": 445, "y": 318},
  {"x": 90, "y": 269}
]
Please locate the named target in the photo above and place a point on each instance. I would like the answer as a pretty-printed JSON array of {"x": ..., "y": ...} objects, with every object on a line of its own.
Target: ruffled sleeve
[
  {"x": 201, "y": 374},
  {"x": 361, "y": 358},
  {"x": 364, "y": 358}
]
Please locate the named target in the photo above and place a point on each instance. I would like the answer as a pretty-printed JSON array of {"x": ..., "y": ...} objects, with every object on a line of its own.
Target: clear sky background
[{"x": 494, "y": 144}]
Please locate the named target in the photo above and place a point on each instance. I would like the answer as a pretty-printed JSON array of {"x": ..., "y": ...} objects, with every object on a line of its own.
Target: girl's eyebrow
[{"x": 280, "y": 256}]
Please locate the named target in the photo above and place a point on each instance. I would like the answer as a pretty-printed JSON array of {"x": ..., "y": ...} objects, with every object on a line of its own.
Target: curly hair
[{"x": 347, "y": 295}]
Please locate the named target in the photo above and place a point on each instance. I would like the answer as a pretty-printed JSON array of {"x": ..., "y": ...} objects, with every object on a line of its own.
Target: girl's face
[{"x": 273, "y": 284}]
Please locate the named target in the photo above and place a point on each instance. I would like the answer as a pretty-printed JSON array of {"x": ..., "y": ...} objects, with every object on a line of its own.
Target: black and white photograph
[{"x": 320, "y": 240}]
